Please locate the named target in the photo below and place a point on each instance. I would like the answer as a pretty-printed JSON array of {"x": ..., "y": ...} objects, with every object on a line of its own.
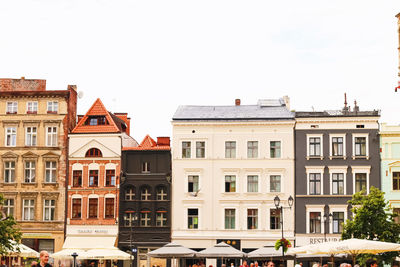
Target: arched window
[
  {"x": 93, "y": 152},
  {"x": 161, "y": 193},
  {"x": 130, "y": 193},
  {"x": 145, "y": 193}
]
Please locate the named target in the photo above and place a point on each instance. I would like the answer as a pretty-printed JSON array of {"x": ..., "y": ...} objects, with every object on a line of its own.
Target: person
[
  {"x": 256, "y": 264},
  {"x": 326, "y": 265},
  {"x": 299, "y": 264},
  {"x": 251, "y": 264},
  {"x": 223, "y": 265},
  {"x": 233, "y": 265},
  {"x": 3, "y": 263},
  {"x": 33, "y": 263},
  {"x": 244, "y": 264},
  {"x": 371, "y": 263},
  {"x": 44, "y": 259},
  {"x": 270, "y": 264}
]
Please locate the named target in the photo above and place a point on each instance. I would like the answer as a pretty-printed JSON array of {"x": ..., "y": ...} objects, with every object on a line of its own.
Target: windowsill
[
  {"x": 76, "y": 219},
  {"x": 92, "y": 219},
  {"x": 31, "y": 112},
  {"x": 360, "y": 157},
  {"x": 337, "y": 157},
  {"x": 109, "y": 185},
  {"x": 8, "y": 184},
  {"x": 74, "y": 186},
  {"x": 50, "y": 184},
  {"x": 8, "y": 112},
  {"x": 52, "y": 112},
  {"x": 93, "y": 186},
  {"x": 25, "y": 183},
  {"x": 109, "y": 218},
  {"x": 315, "y": 157}
]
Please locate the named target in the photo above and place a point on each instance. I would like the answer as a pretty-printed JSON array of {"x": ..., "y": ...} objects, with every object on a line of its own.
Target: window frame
[
  {"x": 252, "y": 219},
  {"x": 314, "y": 208},
  {"x": 361, "y": 169},
  {"x": 12, "y": 107},
  {"x": 277, "y": 218},
  {"x": 321, "y": 144},
  {"x": 77, "y": 177},
  {"x": 280, "y": 149},
  {"x": 337, "y": 170},
  {"x": 366, "y": 136},
  {"x": 32, "y": 107},
  {"x": 52, "y": 210},
  {"x": 95, "y": 178},
  {"x": 200, "y": 149},
  {"x": 10, "y": 134},
  {"x": 315, "y": 169},
  {"x": 9, "y": 207},
  {"x": 89, "y": 208},
  {"x": 230, "y": 150},
  {"x": 331, "y": 136},
  {"x": 161, "y": 193},
  {"x": 107, "y": 207},
  {"x": 192, "y": 217},
  {"x": 164, "y": 218},
  {"x": 229, "y": 219},
  {"x": 337, "y": 208},
  {"x": 54, "y": 107},
  {"x": 130, "y": 196},
  {"x": 230, "y": 185},
  {"x": 73, "y": 209},
  {"x": 252, "y": 146},
  {"x": 11, "y": 170},
  {"x": 51, "y": 136},
  {"x": 110, "y": 177},
  {"x": 30, "y": 207},
  {"x": 256, "y": 183},
  {"x": 186, "y": 151},
  {"x": 31, "y": 138},
  {"x": 32, "y": 170},
  {"x": 270, "y": 183},
  {"x": 393, "y": 179},
  {"x": 52, "y": 169},
  {"x": 315, "y": 181}
]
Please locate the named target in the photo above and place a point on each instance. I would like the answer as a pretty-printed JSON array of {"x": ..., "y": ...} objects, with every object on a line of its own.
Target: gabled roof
[
  {"x": 97, "y": 109},
  {"x": 148, "y": 143}
]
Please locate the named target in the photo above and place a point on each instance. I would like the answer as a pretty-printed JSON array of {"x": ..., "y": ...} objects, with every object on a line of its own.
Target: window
[
  {"x": 161, "y": 193},
  {"x": 11, "y": 136},
  {"x": 252, "y": 219},
  {"x": 109, "y": 212},
  {"x": 193, "y": 183},
  {"x": 9, "y": 171},
  {"x": 130, "y": 194},
  {"x": 230, "y": 183},
  {"x": 252, "y": 183},
  {"x": 49, "y": 210},
  {"x": 361, "y": 182},
  {"x": 129, "y": 218},
  {"x": 96, "y": 120},
  {"x": 186, "y": 150},
  {"x": 275, "y": 219},
  {"x": 93, "y": 204},
  {"x": 275, "y": 149},
  {"x": 193, "y": 218},
  {"x": 396, "y": 180},
  {"x": 76, "y": 208},
  {"x": 360, "y": 146},
  {"x": 146, "y": 167},
  {"x": 230, "y": 149},
  {"x": 161, "y": 218},
  {"x": 77, "y": 178},
  {"x": 93, "y": 178},
  {"x": 31, "y": 136},
  {"x": 30, "y": 171},
  {"x": 145, "y": 218},
  {"x": 252, "y": 149},
  {"x": 32, "y": 107},
  {"x": 8, "y": 207},
  {"x": 314, "y": 146},
  {"x": 337, "y": 222},
  {"x": 28, "y": 209},
  {"x": 337, "y": 146},
  {"x": 315, "y": 183},
  {"x": 52, "y": 107},
  {"x": 230, "y": 215},
  {"x": 315, "y": 222},
  {"x": 110, "y": 177},
  {"x": 12, "y": 108},
  {"x": 93, "y": 152},
  {"x": 396, "y": 214},
  {"x": 51, "y": 136},
  {"x": 337, "y": 184},
  {"x": 275, "y": 183},
  {"x": 51, "y": 171},
  {"x": 200, "y": 149},
  {"x": 145, "y": 195}
]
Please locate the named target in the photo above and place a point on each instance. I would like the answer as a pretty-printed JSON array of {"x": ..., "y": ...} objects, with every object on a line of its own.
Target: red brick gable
[{"x": 148, "y": 143}]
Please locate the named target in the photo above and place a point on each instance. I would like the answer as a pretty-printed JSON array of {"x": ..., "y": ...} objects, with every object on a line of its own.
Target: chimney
[
  {"x": 237, "y": 102},
  {"x": 356, "y": 108},
  {"x": 287, "y": 101},
  {"x": 163, "y": 141}
]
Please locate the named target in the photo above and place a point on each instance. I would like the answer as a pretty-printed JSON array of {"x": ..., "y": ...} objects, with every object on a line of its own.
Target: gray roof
[
  {"x": 268, "y": 109},
  {"x": 337, "y": 113}
]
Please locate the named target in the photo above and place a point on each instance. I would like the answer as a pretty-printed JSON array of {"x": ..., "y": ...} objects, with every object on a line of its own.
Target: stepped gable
[{"x": 97, "y": 120}]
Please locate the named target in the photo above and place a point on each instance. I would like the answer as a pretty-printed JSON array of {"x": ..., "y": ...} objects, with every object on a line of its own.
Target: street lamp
[
  {"x": 327, "y": 217},
  {"x": 74, "y": 255},
  {"x": 131, "y": 220},
  {"x": 277, "y": 201}
]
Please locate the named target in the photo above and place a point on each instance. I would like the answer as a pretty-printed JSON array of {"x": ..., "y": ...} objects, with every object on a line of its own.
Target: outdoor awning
[{"x": 89, "y": 242}]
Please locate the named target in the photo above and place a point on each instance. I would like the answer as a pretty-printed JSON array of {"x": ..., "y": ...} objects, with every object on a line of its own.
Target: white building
[{"x": 229, "y": 163}]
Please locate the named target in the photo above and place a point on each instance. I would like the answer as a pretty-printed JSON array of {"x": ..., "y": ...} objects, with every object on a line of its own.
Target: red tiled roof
[
  {"x": 148, "y": 143},
  {"x": 97, "y": 109}
]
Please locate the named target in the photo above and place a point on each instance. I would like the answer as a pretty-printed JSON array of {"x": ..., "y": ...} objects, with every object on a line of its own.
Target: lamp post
[
  {"x": 131, "y": 220},
  {"x": 277, "y": 201},
  {"x": 327, "y": 217},
  {"x": 74, "y": 255}
]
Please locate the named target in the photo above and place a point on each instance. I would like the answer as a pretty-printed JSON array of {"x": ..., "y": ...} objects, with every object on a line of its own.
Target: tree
[
  {"x": 372, "y": 220},
  {"x": 9, "y": 230}
]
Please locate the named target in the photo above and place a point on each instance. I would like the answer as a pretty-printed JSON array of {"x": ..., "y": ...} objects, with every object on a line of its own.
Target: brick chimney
[
  {"x": 163, "y": 141},
  {"x": 22, "y": 85},
  {"x": 237, "y": 102}
]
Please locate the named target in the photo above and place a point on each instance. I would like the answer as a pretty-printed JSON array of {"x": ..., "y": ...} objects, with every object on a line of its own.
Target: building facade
[
  {"x": 337, "y": 155},
  {"x": 35, "y": 123},
  {"x": 390, "y": 165},
  {"x": 228, "y": 165},
  {"x": 145, "y": 200}
]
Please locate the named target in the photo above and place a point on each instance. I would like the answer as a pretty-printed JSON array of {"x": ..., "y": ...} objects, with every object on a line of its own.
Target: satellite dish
[{"x": 80, "y": 94}]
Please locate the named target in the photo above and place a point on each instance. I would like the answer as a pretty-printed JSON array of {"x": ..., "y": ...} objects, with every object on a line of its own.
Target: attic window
[
  {"x": 93, "y": 152},
  {"x": 96, "y": 120},
  {"x": 314, "y": 126},
  {"x": 360, "y": 126}
]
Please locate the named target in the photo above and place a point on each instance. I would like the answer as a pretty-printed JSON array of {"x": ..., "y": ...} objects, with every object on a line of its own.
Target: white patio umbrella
[
  {"x": 21, "y": 250},
  {"x": 67, "y": 253},
  {"x": 221, "y": 250},
  {"x": 172, "y": 250},
  {"x": 106, "y": 254},
  {"x": 265, "y": 252}
]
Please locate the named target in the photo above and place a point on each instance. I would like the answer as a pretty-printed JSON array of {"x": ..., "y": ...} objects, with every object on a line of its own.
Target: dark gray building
[
  {"x": 145, "y": 199},
  {"x": 337, "y": 154}
]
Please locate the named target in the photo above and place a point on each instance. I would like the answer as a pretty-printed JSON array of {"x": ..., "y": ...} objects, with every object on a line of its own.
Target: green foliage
[
  {"x": 8, "y": 230},
  {"x": 284, "y": 243},
  {"x": 372, "y": 220}
]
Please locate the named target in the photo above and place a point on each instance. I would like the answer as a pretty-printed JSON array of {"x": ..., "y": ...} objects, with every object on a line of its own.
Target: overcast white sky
[{"x": 148, "y": 57}]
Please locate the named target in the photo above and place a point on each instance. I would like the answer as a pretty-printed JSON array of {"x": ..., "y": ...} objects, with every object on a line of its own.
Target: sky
[{"x": 148, "y": 57}]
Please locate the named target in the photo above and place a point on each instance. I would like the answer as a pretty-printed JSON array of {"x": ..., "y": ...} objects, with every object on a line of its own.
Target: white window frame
[
  {"x": 321, "y": 136},
  {"x": 76, "y": 196},
  {"x": 7, "y": 206},
  {"x": 205, "y": 149},
  {"x": 12, "y": 132},
  {"x": 51, "y": 207},
  {"x": 187, "y": 217},
  {"x": 51, "y": 169},
  {"x": 87, "y": 205},
  {"x": 236, "y": 218},
  {"x": 181, "y": 150},
  {"x": 314, "y": 208},
  {"x": 258, "y": 182},
  {"x": 360, "y": 169},
  {"x": 236, "y": 182},
  {"x": 186, "y": 184},
  {"x": 269, "y": 208},
  {"x": 330, "y": 145},
  {"x": 337, "y": 169},
  {"x": 13, "y": 107},
  {"x": 337, "y": 208},
  {"x": 315, "y": 169},
  {"x": 258, "y": 149},
  {"x": 236, "y": 149},
  {"x": 52, "y": 106},
  {"x": 259, "y": 227},
  {"x": 33, "y": 108},
  {"x": 32, "y": 136},
  {"x": 29, "y": 208},
  {"x": 32, "y": 170},
  {"x": 269, "y": 146},
  {"x": 269, "y": 182},
  {"x": 354, "y": 135},
  {"x": 53, "y": 136},
  {"x": 10, "y": 169},
  {"x": 104, "y": 206}
]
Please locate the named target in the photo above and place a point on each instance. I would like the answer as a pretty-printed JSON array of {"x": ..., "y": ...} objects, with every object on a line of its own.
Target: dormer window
[
  {"x": 93, "y": 152},
  {"x": 96, "y": 120}
]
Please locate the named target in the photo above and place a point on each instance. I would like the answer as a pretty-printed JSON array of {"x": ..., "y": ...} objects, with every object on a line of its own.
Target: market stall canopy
[
  {"x": 221, "y": 250},
  {"x": 172, "y": 250},
  {"x": 265, "y": 252},
  {"x": 21, "y": 250}
]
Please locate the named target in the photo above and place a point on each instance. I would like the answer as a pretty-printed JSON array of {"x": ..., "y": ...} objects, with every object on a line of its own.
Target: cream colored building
[
  {"x": 229, "y": 163},
  {"x": 34, "y": 124}
]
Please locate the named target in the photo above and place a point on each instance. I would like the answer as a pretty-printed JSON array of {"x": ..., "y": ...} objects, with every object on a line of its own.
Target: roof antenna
[{"x": 345, "y": 108}]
